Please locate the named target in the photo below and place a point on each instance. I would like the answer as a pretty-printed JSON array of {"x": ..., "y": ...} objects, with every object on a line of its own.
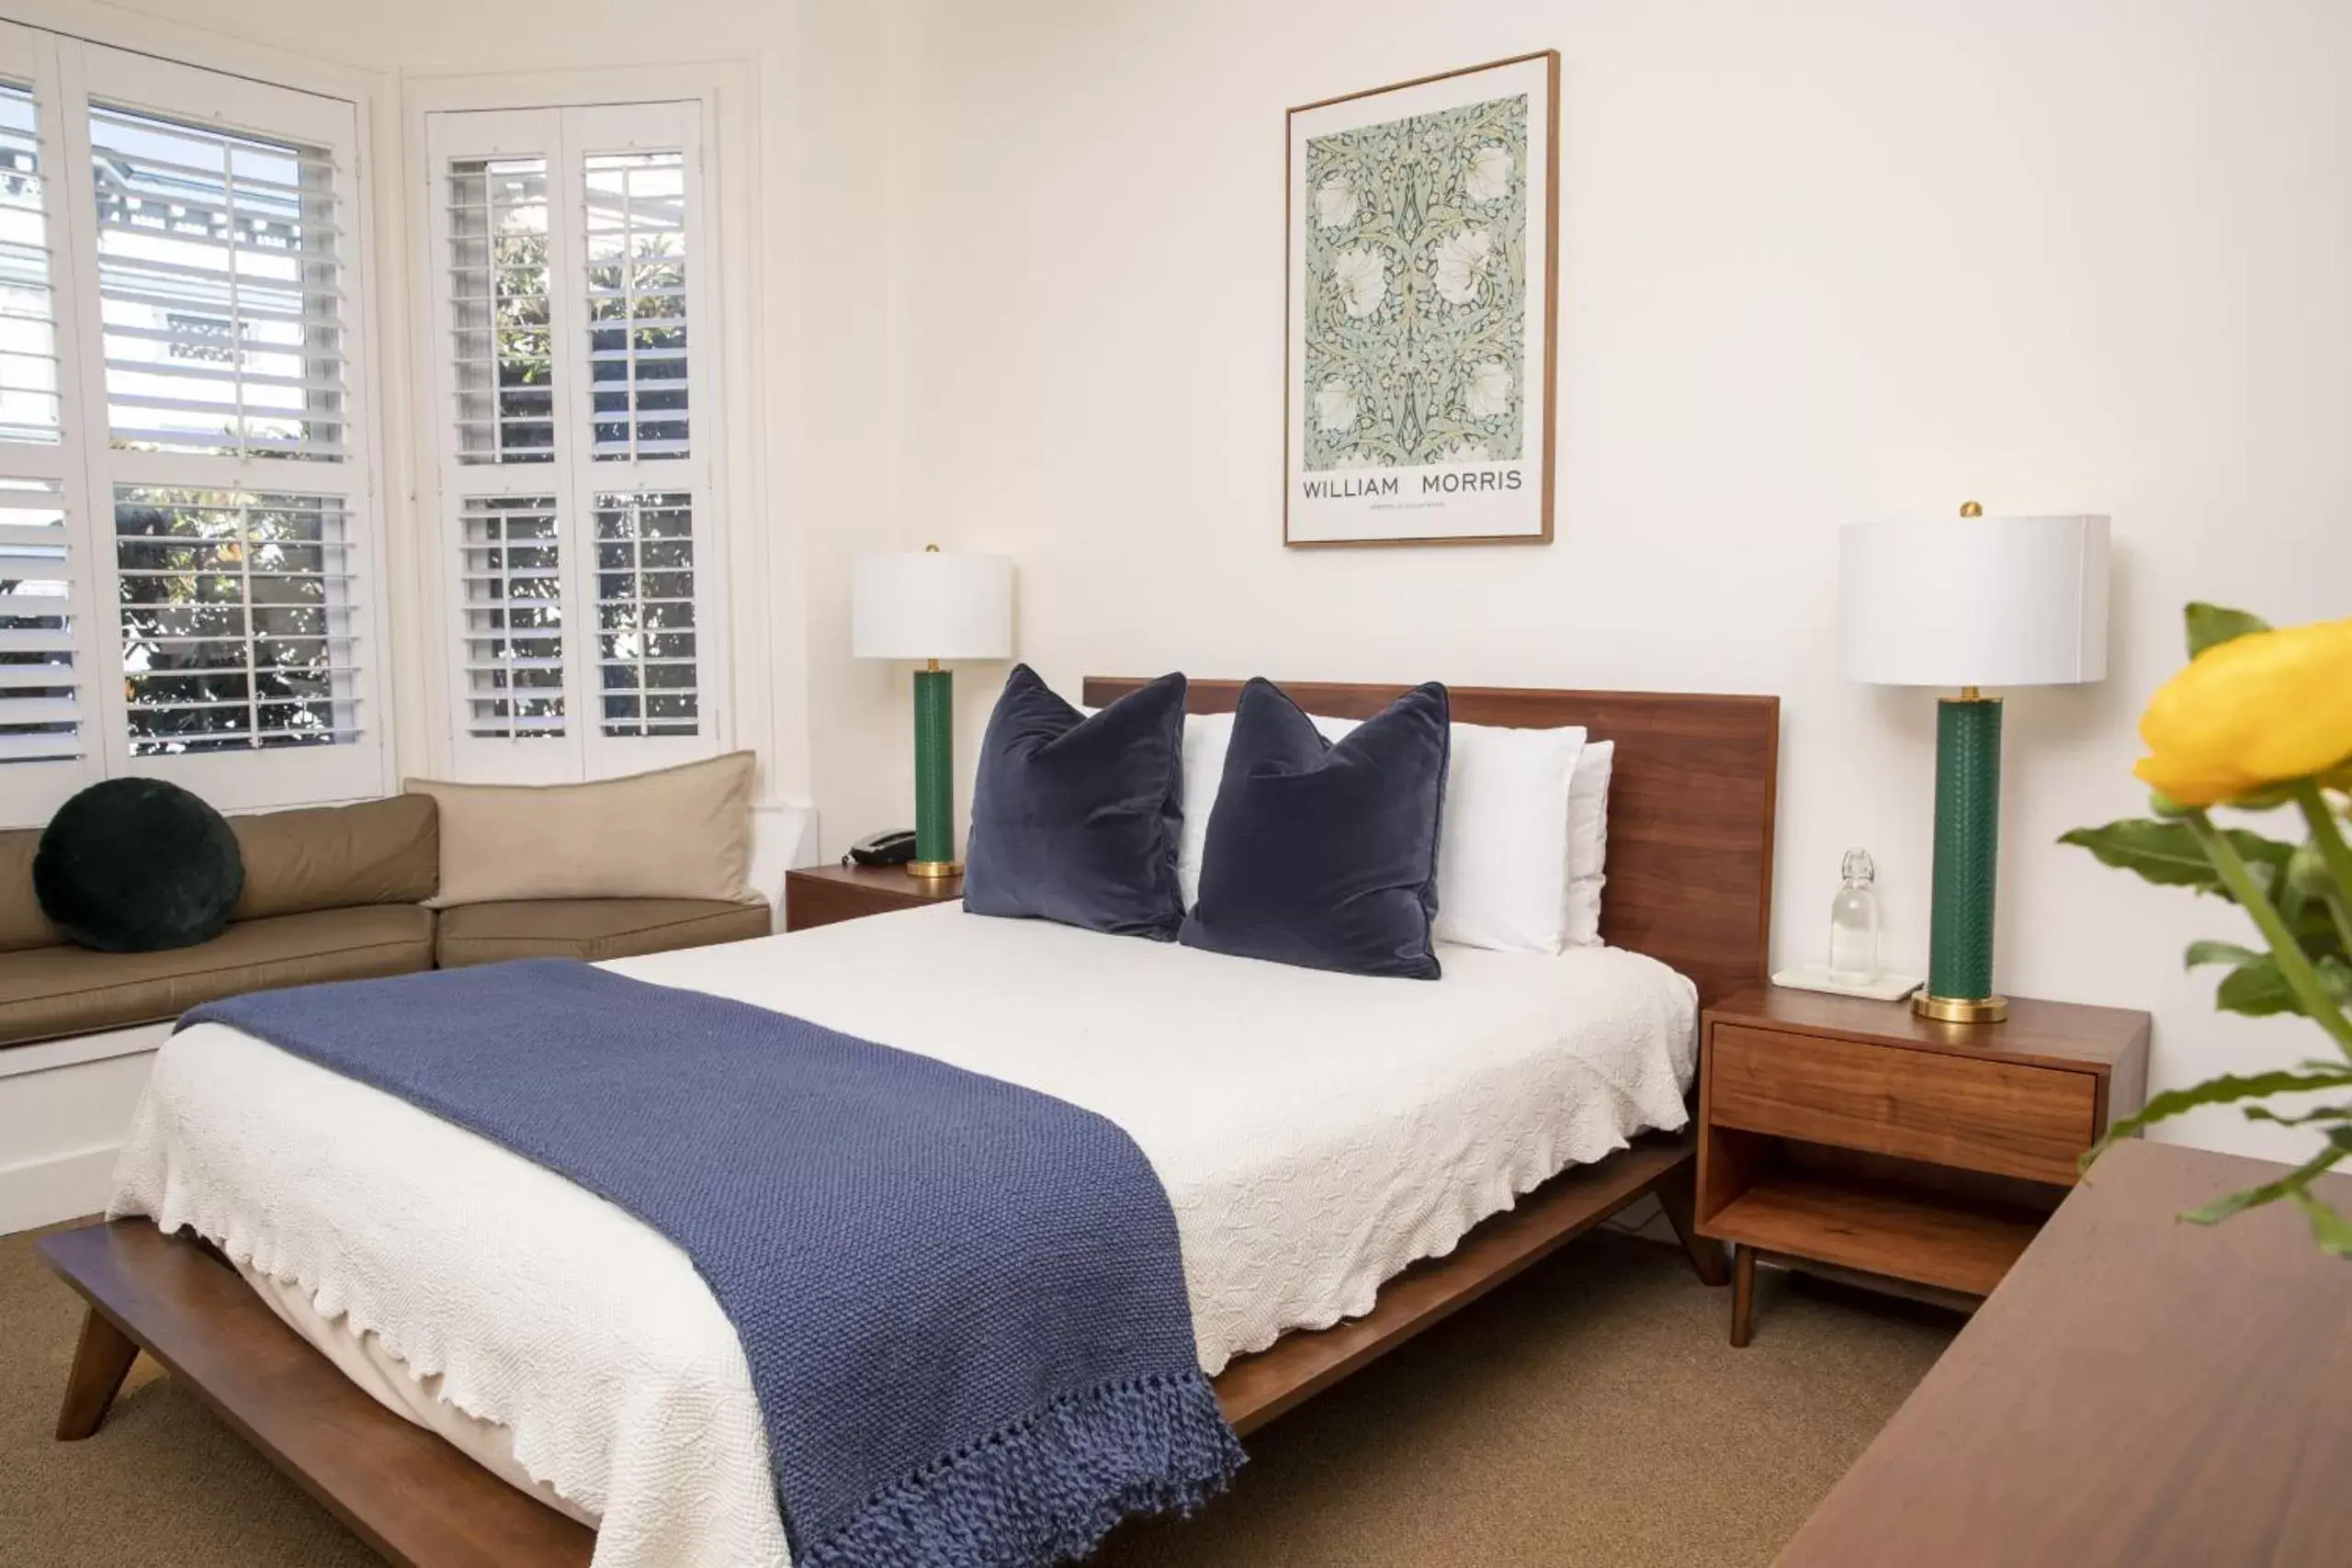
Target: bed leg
[
  {"x": 101, "y": 1362},
  {"x": 1679, "y": 1196}
]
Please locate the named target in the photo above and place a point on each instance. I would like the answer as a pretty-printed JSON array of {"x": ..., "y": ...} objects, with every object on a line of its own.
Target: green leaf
[
  {"x": 2331, "y": 1230},
  {"x": 2210, "y": 626},
  {"x": 2323, "y": 1113},
  {"x": 2256, "y": 988},
  {"x": 2221, "y": 1091},
  {"x": 2339, "y": 1144},
  {"x": 2201, "y": 954},
  {"x": 2166, "y": 854}
]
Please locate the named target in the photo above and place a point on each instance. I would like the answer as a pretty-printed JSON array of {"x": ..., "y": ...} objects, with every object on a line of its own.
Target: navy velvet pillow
[
  {"x": 1325, "y": 855},
  {"x": 1075, "y": 818}
]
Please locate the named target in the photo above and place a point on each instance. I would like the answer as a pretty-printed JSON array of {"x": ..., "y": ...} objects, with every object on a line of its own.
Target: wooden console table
[{"x": 2137, "y": 1391}]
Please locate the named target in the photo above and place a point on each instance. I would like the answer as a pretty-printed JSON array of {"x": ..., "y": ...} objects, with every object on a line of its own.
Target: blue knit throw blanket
[{"x": 962, "y": 1300}]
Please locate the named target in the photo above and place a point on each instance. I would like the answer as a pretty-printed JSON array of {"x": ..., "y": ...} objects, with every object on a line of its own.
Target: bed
[{"x": 1343, "y": 1158}]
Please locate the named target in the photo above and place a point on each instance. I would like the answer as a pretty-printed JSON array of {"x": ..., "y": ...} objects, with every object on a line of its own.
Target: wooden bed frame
[{"x": 1691, "y": 813}]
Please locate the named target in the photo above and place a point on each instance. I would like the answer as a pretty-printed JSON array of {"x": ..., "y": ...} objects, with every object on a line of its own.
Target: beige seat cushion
[
  {"x": 591, "y": 929},
  {"x": 46, "y": 992},
  {"x": 682, "y": 832},
  {"x": 332, "y": 857}
]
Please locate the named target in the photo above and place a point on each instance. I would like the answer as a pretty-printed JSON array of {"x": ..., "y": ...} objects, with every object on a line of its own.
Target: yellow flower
[{"x": 2256, "y": 710}]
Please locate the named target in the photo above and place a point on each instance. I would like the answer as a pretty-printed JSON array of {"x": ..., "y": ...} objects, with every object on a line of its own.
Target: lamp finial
[{"x": 1967, "y": 509}]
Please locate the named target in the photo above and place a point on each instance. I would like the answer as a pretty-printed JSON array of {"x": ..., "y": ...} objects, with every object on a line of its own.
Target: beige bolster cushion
[
  {"x": 682, "y": 832},
  {"x": 338, "y": 857}
]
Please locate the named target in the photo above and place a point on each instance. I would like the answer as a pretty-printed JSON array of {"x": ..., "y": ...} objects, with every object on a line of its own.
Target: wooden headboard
[{"x": 1690, "y": 806}]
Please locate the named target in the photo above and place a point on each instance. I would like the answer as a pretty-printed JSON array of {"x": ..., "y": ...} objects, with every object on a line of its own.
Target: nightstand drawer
[{"x": 1981, "y": 1115}]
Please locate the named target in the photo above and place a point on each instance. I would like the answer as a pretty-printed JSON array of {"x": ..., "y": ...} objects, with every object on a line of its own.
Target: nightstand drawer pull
[{"x": 1983, "y": 1115}]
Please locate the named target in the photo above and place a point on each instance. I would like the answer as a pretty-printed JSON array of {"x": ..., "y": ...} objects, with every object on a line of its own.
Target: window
[
  {"x": 234, "y": 619},
  {"x": 186, "y": 488},
  {"x": 575, "y": 485},
  {"x": 28, "y": 395},
  {"x": 220, "y": 288}
]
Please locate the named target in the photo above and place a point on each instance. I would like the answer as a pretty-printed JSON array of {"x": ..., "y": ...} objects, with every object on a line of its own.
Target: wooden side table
[
  {"x": 1857, "y": 1139},
  {"x": 822, "y": 895}
]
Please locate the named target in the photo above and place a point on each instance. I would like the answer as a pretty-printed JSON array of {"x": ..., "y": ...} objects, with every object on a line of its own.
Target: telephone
[{"x": 894, "y": 848}]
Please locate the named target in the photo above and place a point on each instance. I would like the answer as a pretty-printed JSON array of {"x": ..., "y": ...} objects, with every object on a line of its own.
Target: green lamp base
[
  {"x": 1968, "y": 833},
  {"x": 934, "y": 775}
]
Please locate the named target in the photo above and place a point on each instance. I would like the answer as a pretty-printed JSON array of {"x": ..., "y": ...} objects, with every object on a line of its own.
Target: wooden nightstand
[
  {"x": 822, "y": 895},
  {"x": 1856, "y": 1138}
]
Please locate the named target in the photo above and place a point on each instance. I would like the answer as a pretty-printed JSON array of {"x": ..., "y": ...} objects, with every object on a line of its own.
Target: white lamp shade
[
  {"x": 1976, "y": 602},
  {"x": 930, "y": 604}
]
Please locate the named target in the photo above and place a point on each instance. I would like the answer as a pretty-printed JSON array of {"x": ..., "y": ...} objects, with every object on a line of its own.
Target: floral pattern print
[{"x": 1416, "y": 289}]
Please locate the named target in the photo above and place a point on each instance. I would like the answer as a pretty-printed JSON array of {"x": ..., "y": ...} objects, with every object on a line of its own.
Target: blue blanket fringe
[{"x": 1047, "y": 1489}]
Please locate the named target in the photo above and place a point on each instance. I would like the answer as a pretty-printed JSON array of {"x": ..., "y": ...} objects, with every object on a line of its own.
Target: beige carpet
[{"x": 1589, "y": 1414}]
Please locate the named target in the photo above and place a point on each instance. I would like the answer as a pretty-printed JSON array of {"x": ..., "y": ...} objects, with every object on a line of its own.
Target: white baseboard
[
  {"x": 62, "y": 1186},
  {"x": 62, "y": 1122}
]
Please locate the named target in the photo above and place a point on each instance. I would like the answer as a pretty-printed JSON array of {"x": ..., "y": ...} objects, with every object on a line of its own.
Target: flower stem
[
  {"x": 2294, "y": 964},
  {"x": 2332, "y": 850}
]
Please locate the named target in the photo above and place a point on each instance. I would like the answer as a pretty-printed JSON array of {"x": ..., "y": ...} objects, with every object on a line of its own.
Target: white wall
[{"x": 1822, "y": 262}]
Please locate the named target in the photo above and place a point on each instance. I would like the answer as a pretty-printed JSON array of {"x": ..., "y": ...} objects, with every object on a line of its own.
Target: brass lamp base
[
  {"x": 1959, "y": 1009},
  {"x": 934, "y": 870}
]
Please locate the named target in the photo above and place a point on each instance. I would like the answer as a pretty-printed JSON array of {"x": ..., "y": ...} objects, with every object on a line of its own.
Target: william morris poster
[{"x": 1419, "y": 371}]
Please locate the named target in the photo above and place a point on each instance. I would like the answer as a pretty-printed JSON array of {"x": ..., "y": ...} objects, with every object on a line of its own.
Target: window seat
[
  {"x": 331, "y": 893},
  {"x": 49, "y": 992},
  {"x": 590, "y": 929}
]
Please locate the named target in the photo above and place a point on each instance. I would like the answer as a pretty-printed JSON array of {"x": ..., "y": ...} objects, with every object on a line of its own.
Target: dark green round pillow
[{"x": 136, "y": 865}]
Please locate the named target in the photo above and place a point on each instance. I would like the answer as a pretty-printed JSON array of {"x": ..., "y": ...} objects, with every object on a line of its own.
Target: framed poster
[{"x": 1424, "y": 277}]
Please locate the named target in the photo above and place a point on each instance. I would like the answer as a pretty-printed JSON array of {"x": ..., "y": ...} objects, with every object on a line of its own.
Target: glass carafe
[{"x": 1853, "y": 923}]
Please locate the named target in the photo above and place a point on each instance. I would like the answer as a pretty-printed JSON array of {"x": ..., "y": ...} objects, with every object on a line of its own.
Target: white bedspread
[{"x": 1316, "y": 1133}]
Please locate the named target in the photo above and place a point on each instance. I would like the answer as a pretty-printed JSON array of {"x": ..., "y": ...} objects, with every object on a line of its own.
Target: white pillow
[
  {"x": 1519, "y": 848},
  {"x": 1206, "y": 738},
  {"x": 1589, "y": 840},
  {"x": 1502, "y": 850}
]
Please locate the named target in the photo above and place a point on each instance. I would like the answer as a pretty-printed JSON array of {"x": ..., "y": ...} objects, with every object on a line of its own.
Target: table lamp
[
  {"x": 1971, "y": 603},
  {"x": 929, "y": 606}
]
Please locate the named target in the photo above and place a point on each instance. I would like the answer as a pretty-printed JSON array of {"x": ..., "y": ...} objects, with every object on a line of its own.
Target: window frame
[
  {"x": 566, "y": 134},
  {"x": 202, "y": 89}
]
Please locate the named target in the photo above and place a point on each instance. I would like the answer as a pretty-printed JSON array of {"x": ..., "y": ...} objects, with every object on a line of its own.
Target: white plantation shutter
[
  {"x": 221, "y": 290},
  {"x": 236, "y": 620},
  {"x": 29, "y": 381},
  {"x": 634, "y": 209},
  {"x": 52, "y": 727},
  {"x": 646, "y": 634},
  {"x": 576, "y": 488},
  {"x": 511, "y": 572},
  {"x": 499, "y": 310},
  {"x": 42, "y": 716}
]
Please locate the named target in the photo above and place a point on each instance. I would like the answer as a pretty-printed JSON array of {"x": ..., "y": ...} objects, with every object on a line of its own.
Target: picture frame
[{"x": 1421, "y": 356}]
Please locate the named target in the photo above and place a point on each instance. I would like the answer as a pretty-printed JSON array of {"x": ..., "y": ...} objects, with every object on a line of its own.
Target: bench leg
[
  {"x": 101, "y": 1362},
  {"x": 1743, "y": 1292},
  {"x": 1679, "y": 1196}
]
